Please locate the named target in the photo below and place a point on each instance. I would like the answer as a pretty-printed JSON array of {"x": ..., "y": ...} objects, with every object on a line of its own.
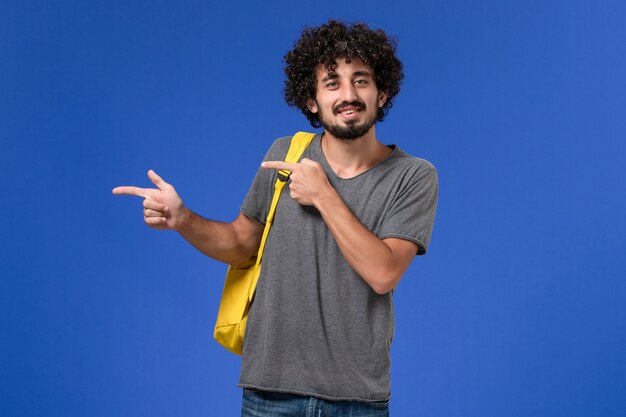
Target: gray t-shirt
[{"x": 316, "y": 327}]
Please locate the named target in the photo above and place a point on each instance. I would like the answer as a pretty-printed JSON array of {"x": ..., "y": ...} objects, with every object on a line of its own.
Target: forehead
[{"x": 343, "y": 69}]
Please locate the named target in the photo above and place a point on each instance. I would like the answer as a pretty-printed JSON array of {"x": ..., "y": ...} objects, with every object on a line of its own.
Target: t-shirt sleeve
[
  {"x": 257, "y": 201},
  {"x": 412, "y": 213}
]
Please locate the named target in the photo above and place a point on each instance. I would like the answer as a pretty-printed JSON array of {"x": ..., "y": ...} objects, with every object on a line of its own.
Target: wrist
[
  {"x": 183, "y": 219},
  {"x": 325, "y": 198}
]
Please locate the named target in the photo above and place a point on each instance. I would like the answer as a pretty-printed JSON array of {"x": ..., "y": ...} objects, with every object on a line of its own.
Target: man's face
[{"x": 347, "y": 99}]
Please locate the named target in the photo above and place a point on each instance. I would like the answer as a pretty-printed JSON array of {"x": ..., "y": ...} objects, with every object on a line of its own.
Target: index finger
[
  {"x": 290, "y": 166},
  {"x": 128, "y": 190}
]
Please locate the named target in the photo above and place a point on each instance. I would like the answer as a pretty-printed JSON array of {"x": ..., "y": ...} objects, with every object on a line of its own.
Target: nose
[{"x": 348, "y": 92}]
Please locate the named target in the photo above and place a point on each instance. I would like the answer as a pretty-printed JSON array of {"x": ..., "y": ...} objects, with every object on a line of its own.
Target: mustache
[{"x": 358, "y": 104}]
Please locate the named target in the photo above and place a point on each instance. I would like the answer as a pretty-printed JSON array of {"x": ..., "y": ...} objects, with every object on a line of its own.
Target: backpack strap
[{"x": 299, "y": 143}]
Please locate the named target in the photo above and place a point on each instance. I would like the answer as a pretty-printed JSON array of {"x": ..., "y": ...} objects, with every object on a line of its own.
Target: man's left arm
[{"x": 381, "y": 263}]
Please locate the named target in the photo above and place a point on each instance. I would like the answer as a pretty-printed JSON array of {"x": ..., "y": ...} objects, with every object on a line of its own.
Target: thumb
[{"x": 158, "y": 181}]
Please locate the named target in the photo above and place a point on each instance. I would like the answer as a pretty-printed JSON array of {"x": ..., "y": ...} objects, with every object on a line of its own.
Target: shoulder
[
  {"x": 412, "y": 166},
  {"x": 278, "y": 149}
]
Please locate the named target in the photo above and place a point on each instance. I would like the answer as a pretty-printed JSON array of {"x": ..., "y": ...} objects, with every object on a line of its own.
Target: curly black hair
[{"x": 323, "y": 45}]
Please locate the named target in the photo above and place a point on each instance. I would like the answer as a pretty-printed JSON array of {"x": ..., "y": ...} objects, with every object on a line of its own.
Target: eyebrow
[{"x": 331, "y": 75}]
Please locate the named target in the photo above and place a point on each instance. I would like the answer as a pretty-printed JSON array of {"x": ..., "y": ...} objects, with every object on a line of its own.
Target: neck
[{"x": 349, "y": 158}]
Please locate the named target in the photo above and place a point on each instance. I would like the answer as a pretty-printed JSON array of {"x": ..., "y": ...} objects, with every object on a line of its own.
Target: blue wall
[{"x": 517, "y": 310}]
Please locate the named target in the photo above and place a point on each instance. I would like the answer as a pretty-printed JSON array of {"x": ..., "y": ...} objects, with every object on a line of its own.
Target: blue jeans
[{"x": 274, "y": 404}]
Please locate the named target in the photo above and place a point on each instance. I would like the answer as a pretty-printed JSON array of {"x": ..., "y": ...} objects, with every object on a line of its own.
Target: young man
[{"x": 356, "y": 213}]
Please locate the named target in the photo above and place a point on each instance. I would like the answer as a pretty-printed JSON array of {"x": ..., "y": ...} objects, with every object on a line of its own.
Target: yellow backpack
[{"x": 241, "y": 280}]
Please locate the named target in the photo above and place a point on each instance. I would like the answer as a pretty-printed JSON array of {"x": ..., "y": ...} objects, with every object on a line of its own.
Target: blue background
[{"x": 517, "y": 310}]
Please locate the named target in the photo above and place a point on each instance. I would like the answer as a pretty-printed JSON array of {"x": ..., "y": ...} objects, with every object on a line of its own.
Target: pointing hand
[
  {"x": 162, "y": 207},
  {"x": 307, "y": 181}
]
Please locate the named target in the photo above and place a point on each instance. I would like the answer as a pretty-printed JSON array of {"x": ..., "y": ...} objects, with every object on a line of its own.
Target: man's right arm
[{"x": 232, "y": 243}]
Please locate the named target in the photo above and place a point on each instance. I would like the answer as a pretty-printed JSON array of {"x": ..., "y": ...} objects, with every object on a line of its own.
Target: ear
[
  {"x": 312, "y": 105},
  {"x": 382, "y": 98}
]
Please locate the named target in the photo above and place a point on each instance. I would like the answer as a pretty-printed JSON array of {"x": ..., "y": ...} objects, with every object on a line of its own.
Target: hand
[
  {"x": 162, "y": 207},
  {"x": 308, "y": 181}
]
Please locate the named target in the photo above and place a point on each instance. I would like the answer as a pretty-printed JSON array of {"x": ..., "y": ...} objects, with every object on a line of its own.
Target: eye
[
  {"x": 360, "y": 82},
  {"x": 331, "y": 84}
]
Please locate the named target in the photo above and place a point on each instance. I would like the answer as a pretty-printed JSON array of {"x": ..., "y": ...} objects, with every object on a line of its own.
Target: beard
[{"x": 352, "y": 129}]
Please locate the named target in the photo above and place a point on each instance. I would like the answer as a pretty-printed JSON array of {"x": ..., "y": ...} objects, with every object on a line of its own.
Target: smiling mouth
[{"x": 348, "y": 110}]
